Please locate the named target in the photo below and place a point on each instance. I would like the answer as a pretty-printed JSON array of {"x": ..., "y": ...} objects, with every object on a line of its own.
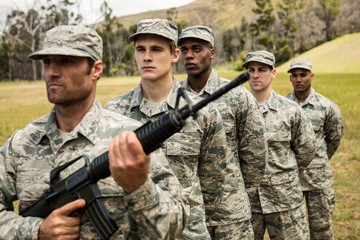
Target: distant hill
[
  {"x": 341, "y": 55},
  {"x": 214, "y": 13}
]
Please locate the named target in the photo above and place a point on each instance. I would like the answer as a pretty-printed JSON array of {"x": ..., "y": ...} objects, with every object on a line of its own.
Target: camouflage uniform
[
  {"x": 246, "y": 144},
  {"x": 245, "y": 134},
  {"x": 30, "y": 154},
  {"x": 279, "y": 204},
  {"x": 197, "y": 154},
  {"x": 316, "y": 179},
  {"x": 291, "y": 145}
]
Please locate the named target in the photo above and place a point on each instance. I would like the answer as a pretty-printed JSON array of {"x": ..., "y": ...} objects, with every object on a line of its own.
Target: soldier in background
[
  {"x": 143, "y": 196},
  {"x": 316, "y": 179},
  {"x": 245, "y": 135},
  {"x": 197, "y": 153},
  {"x": 278, "y": 205}
]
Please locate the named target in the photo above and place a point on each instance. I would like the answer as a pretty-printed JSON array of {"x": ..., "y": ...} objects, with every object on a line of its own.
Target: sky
[{"x": 89, "y": 9}]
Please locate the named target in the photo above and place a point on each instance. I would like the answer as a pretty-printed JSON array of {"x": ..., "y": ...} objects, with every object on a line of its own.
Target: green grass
[{"x": 22, "y": 102}]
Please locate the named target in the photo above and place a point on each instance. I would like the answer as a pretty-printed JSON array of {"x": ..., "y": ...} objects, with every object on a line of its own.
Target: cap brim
[
  {"x": 66, "y": 51},
  {"x": 298, "y": 67},
  {"x": 135, "y": 35},
  {"x": 194, "y": 37},
  {"x": 245, "y": 64}
]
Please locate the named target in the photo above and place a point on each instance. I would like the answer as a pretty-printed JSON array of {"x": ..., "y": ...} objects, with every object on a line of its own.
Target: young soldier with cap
[
  {"x": 245, "y": 135},
  {"x": 197, "y": 153},
  {"x": 316, "y": 179},
  {"x": 142, "y": 196},
  {"x": 278, "y": 205}
]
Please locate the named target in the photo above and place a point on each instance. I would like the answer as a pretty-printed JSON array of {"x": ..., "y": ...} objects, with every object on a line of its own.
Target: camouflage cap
[
  {"x": 200, "y": 32},
  {"x": 71, "y": 40},
  {"x": 300, "y": 63},
  {"x": 260, "y": 56},
  {"x": 156, "y": 26}
]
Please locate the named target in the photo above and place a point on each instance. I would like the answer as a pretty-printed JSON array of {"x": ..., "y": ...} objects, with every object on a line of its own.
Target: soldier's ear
[
  {"x": 175, "y": 55},
  {"x": 97, "y": 69}
]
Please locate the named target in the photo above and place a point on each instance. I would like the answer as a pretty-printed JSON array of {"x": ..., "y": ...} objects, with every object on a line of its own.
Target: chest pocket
[
  {"x": 278, "y": 131},
  {"x": 279, "y": 148},
  {"x": 185, "y": 143},
  {"x": 33, "y": 177}
]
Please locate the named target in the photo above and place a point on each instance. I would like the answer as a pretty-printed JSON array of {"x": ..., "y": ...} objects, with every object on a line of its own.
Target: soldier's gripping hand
[
  {"x": 60, "y": 225},
  {"x": 128, "y": 163}
]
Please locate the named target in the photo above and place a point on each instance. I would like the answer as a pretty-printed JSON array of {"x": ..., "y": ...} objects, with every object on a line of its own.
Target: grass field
[{"x": 22, "y": 102}]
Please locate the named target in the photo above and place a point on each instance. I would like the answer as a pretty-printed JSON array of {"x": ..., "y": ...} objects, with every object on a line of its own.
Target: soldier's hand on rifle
[
  {"x": 128, "y": 163},
  {"x": 59, "y": 225}
]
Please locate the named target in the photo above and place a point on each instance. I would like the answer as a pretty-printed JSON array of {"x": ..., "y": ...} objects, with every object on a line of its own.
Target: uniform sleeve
[
  {"x": 252, "y": 146},
  {"x": 302, "y": 138},
  {"x": 13, "y": 226},
  {"x": 213, "y": 161},
  {"x": 333, "y": 129},
  {"x": 158, "y": 206}
]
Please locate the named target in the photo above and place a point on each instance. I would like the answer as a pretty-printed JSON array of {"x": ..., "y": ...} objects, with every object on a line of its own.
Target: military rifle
[{"x": 82, "y": 184}]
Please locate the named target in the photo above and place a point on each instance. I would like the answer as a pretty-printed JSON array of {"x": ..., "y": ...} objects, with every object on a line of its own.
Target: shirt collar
[
  {"x": 212, "y": 84},
  {"x": 138, "y": 101},
  {"x": 309, "y": 100},
  {"x": 86, "y": 128}
]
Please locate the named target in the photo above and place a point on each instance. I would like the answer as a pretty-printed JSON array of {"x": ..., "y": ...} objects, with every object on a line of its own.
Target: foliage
[
  {"x": 263, "y": 28},
  {"x": 288, "y": 26},
  {"x": 114, "y": 37},
  {"x": 237, "y": 66},
  {"x": 327, "y": 11}
]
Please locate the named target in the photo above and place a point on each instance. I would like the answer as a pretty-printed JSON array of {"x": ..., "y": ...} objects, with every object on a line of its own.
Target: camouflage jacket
[
  {"x": 327, "y": 123},
  {"x": 197, "y": 153},
  {"x": 245, "y": 135},
  {"x": 291, "y": 144},
  {"x": 155, "y": 210}
]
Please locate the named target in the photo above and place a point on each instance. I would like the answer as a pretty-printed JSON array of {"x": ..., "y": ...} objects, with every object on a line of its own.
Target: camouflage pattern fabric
[
  {"x": 261, "y": 56},
  {"x": 320, "y": 205},
  {"x": 241, "y": 230},
  {"x": 290, "y": 224},
  {"x": 71, "y": 40},
  {"x": 300, "y": 63},
  {"x": 291, "y": 144},
  {"x": 200, "y": 32},
  {"x": 161, "y": 27},
  {"x": 327, "y": 123},
  {"x": 197, "y": 154},
  {"x": 31, "y": 153},
  {"x": 246, "y": 148}
]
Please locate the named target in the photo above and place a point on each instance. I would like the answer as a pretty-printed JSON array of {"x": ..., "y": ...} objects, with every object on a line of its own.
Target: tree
[
  {"x": 327, "y": 10},
  {"x": 4, "y": 59},
  {"x": 24, "y": 32},
  {"x": 287, "y": 10},
  {"x": 115, "y": 38},
  {"x": 21, "y": 37},
  {"x": 263, "y": 28},
  {"x": 59, "y": 13},
  {"x": 308, "y": 25}
]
